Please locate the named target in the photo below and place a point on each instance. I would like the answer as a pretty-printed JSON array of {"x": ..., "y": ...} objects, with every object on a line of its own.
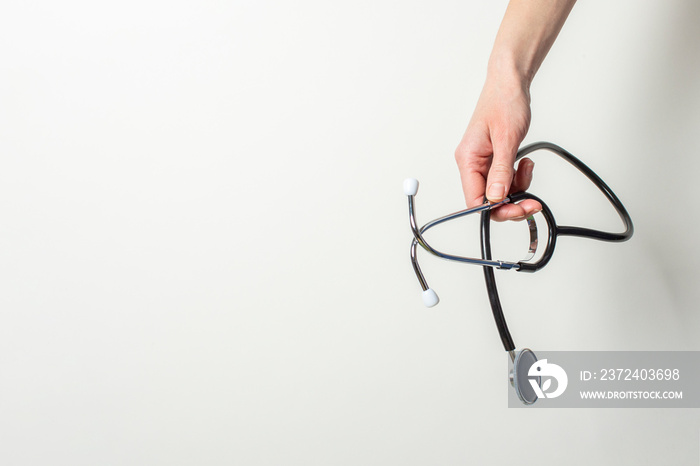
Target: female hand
[
  {"x": 486, "y": 154},
  {"x": 502, "y": 117}
]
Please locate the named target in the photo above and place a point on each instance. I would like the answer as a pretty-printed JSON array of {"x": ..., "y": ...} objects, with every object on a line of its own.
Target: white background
[{"x": 204, "y": 241}]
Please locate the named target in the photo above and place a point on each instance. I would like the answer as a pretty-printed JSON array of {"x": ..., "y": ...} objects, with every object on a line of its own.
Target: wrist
[{"x": 507, "y": 70}]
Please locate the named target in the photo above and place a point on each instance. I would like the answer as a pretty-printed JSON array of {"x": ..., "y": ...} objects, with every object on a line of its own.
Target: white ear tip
[
  {"x": 410, "y": 186},
  {"x": 430, "y": 298}
]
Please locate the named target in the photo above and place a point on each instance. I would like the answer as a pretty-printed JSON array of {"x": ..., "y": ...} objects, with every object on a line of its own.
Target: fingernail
[
  {"x": 517, "y": 219},
  {"x": 496, "y": 192}
]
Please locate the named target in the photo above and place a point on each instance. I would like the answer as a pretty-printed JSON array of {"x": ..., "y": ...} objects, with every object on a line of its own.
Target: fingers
[
  {"x": 473, "y": 157},
  {"x": 473, "y": 163},
  {"x": 523, "y": 176},
  {"x": 516, "y": 212},
  {"x": 473, "y": 183},
  {"x": 501, "y": 172},
  {"x": 521, "y": 182}
]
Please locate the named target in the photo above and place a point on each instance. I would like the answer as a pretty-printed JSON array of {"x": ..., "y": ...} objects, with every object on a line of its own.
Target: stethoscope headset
[{"x": 524, "y": 359}]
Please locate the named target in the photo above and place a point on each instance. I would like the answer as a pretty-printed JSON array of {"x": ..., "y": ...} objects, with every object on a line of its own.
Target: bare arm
[{"x": 486, "y": 154}]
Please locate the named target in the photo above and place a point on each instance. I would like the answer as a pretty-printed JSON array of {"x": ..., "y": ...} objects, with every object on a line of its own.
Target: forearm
[
  {"x": 527, "y": 32},
  {"x": 487, "y": 152}
]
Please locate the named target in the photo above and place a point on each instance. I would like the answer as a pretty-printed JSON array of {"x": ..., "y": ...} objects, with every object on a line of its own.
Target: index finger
[
  {"x": 473, "y": 185},
  {"x": 473, "y": 160}
]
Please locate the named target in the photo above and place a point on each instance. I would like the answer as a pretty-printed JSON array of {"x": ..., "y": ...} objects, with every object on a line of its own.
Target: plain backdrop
[{"x": 204, "y": 240}]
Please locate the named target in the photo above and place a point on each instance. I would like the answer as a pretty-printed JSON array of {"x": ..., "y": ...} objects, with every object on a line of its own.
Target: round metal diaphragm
[{"x": 521, "y": 365}]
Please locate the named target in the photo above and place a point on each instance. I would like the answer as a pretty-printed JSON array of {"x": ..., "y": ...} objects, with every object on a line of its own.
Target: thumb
[{"x": 501, "y": 172}]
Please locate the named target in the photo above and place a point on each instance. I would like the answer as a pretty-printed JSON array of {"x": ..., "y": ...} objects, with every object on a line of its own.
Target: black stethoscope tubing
[{"x": 554, "y": 231}]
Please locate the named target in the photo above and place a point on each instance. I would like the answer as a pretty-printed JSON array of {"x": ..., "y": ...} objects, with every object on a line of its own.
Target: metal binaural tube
[
  {"x": 416, "y": 267},
  {"x": 418, "y": 237}
]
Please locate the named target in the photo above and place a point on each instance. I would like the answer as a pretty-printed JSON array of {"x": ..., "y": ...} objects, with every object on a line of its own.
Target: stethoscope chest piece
[{"x": 519, "y": 379}]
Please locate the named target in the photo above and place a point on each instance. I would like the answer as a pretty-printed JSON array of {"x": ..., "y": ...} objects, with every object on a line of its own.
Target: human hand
[{"x": 486, "y": 154}]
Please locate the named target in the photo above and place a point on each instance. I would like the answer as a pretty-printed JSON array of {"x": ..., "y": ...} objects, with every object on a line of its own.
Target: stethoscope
[{"x": 524, "y": 359}]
